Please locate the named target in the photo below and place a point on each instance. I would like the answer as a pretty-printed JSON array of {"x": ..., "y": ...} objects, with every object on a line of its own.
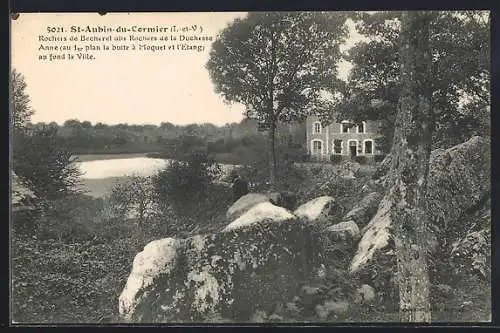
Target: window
[
  {"x": 361, "y": 127},
  {"x": 337, "y": 146},
  {"x": 368, "y": 147},
  {"x": 317, "y": 145},
  {"x": 317, "y": 128},
  {"x": 344, "y": 127}
]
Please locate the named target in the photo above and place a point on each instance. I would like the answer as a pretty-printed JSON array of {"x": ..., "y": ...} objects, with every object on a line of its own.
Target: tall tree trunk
[
  {"x": 272, "y": 156},
  {"x": 410, "y": 164}
]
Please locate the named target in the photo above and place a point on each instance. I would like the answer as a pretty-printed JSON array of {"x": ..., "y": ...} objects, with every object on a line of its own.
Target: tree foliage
[
  {"x": 39, "y": 158},
  {"x": 460, "y": 49},
  {"x": 20, "y": 101},
  {"x": 279, "y": 65},
  {"x": 185, "y": 186},
  {"x": 42, "y": 161},
  {"x": 133, "y": 198}
]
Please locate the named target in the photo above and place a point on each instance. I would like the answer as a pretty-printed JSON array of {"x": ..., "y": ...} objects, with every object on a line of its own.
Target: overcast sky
[{"x": 125, "y": 87}]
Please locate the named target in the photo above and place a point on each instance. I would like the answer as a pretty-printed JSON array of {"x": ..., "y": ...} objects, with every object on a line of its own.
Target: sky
[{"x": 125, "y": 86}]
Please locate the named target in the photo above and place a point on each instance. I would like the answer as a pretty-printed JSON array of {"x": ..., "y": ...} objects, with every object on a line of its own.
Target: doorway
[{"x": 353, "y": 148}]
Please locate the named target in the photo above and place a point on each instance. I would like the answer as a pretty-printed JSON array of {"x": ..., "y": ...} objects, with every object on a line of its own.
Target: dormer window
[
  {"x": 317, "y": 128},
  {"x": 344, "y": 127},
  {"x": 361, "y": 128}
]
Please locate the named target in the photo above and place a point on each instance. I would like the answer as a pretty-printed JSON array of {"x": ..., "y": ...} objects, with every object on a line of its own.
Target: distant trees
[{"x": 279, "y": 65}]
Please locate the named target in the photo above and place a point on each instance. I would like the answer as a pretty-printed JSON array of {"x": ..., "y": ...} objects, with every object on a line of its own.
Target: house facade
[{"x": 343, "y": 139}]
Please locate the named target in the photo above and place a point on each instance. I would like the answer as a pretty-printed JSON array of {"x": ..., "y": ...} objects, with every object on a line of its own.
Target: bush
[
  {"x": 360, "y": 159},
  {"x": 335, "y": 158},
  {"x": 186, "y": 187},
  {"x": 43, "y": 162},
  {"x": 133, "y": 198},
  {"x": 72, "y": 218},
  {"x": 379, "y": 158}
]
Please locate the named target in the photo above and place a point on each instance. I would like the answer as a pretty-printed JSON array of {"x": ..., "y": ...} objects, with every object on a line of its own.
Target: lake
[
  {"x": 99, "y": 176},
  {"x": 121, "y": 167}
]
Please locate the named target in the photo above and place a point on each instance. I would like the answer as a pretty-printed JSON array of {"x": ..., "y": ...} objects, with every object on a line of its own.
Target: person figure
[{"x": 240, "y": 187}]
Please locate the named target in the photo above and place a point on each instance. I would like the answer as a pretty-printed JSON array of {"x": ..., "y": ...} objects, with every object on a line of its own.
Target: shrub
[
  {"x": 335, "y": 158},
  {"x": 379, "y": 158},
  {"x": 360, "y": 159},
  {"x": 72, "y": 218},
  {"x": 42, "y": 161},
  {"x": 132, "y": 198},
  {"x": 472, "y": 253},
  {"x": 186, "y": 186}
]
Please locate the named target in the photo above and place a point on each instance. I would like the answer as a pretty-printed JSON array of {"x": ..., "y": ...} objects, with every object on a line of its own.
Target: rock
[
  {"x": 262, "y": 212},
  {"x": 364, "y": 210},
  {"x": 292, "y": 308},
  {"x": 22, "y": 197},
  {"x": 259, "y": 317},
  {"x": 234, "y": 273},
  {"x": 331, "y": 307},
  {"x": 158, "y": 257},
  {"x": 443, "y": 290},
  {"x": 459, "y": 178},
  {"x": 317, "y": 211},
  {"x": 286, "y": 200},
  {"x": 366, "y": 293},
  {"x": 245, "y": 203},
  {"x": 321, "y": 312},
  {"x": 275, "y": 318},
  {"x": 336, "y": 307},
  {"x": 347, "y": 230},
  {"x": 310, "y": 291},
  {"x": 352, "y": 166}
]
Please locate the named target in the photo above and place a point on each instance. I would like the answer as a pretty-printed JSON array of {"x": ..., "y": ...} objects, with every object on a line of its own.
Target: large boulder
[
  {"x": 364, "y": 210},
  {"x": 343, "y": 231},
  {"x": 245, "y": 203},
  {"x": 317, "y": 211},
  {"x": 231, "y": 274},
  {"x": 264, "y": 211},
  {"x": 459, "y": 179},
  {"x": 286, "y": 199}
]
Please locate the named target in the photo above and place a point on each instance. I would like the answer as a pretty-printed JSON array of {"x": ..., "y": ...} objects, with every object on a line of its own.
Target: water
[{"x": 121, "y": 167}]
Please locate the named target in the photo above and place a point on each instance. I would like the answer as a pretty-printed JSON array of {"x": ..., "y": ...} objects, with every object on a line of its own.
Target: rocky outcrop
[
  {"x": 262, "y": 212},
  {"x": 245, "y": 203},
  {"x": 286, "y": 200},
  {"x": 317, "y": 211},
  {"x": 364, "y": 210},
  {"x": 234, "y": 273},
  {"x": 343, "y": 231},
  {"x": 459, "y": 178}
]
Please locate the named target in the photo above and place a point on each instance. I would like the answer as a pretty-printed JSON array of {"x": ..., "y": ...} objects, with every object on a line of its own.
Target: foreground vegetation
[{"x": 77, "y": 275}]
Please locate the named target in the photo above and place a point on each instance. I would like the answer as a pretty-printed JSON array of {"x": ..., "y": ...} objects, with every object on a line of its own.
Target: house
[{"x": 345, "y": 139}]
